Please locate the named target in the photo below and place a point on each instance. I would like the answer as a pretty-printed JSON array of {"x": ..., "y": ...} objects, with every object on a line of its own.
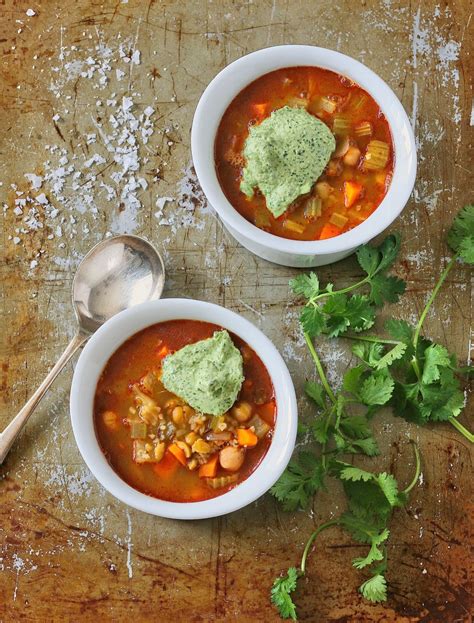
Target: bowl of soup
[
  {"x": 304, "y": 153},
  {"x": 183, "y": 409}
]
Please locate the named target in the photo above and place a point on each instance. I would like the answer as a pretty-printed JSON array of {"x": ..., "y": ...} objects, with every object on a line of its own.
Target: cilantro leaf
[
  {"x": 368, "y": 446},
  {"x": 312, "y": 320},
  {"x": 369, "y": 352},
  {"x": 389, "y": 486},
  {"x": 280, "y": 594},
  {"x": 335, "y": 308},
  {"x": 392, "y": 355},
  {"x": 460, "y": 236},
  {"x": 306, "y": 285},
  {"x": 368, "y": 258},
  {"x": 355, "y": 426},
  {"x": 375, "y": 553},
  {"x": 377, "y": 389},
  {"x": 399, "y": 330},
  {"x": 355, "y": 474},
  {"x": 466, "y": 249},
  {"x": 375, "y": 589},
  {"x": 351, "y": 381},
  {"x": 386, "y": 289},
  {"x": 316, "y": 392},
  {"x": 435, "y": 357},
  {"x": 320, "y": 430},
  {"x": 388, "y": 249},
  {"x": 376, "y": 259},
  {"x": 359, "y": 312},
  {"x": 298, "y": 483}
]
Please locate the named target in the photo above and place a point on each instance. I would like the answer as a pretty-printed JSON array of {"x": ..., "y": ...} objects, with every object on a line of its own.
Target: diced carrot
[
  {"x": 267, "y": 412},
  {"x": 167, "y": 466},
  {"x": 352, "y": 191},
  {"x": 209, "y": 469},
  {"x": 177, "y": 453},
  {"x": 260, "y": 110},
  {"x": 329, "y": 231},
  {"x": 246, "y": 437}
]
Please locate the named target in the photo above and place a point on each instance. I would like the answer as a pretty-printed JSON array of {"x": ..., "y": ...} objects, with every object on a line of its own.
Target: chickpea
[
  {"x": 231, "y": 458},
  {"x": 188, "y": 411},
  {"x": 190, "y": 438},
  {"x": 178, "y": 415},
  {"x": 242, "y": 412},
  {"x": 201, "y": 447},
  {"x": 323, "y": 189},
  {"x": 352, "y": 156},
  {"x": 171, "y": 403},
  {"x": 110, "y": 419}
]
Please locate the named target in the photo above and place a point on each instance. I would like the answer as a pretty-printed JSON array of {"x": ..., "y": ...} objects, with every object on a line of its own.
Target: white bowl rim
[
  {"x": 225, "y": 86},
  {"x": 114, "y": 333}
]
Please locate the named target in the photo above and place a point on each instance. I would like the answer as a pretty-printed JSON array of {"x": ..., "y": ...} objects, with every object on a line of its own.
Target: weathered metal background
[{"x": 71, "y": 552}]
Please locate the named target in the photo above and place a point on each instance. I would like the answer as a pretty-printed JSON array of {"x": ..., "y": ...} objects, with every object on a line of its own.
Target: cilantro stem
[
  {"x": 417, "y": 469},
  {"x": 441, "y": 280},
  {"x": 311, "y": 540},
  {"x": 371, "y": 338},
  {"x": 319, "y": 368},
  {"x": 354, "y": 286},
  {"x": 462, "y": 429}
]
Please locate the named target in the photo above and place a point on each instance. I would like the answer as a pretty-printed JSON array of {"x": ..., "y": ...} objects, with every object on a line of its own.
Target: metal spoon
[{"x": 116, "y": 274}]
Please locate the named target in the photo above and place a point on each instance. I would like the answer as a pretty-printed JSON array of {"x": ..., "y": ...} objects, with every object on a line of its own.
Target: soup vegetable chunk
[
  {"x": 184, "y": 411},
  {"x": 296, "y": 180}
]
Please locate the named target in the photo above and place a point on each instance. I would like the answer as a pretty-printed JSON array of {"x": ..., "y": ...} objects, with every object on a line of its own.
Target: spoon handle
[{"x": 11, "y": 432}]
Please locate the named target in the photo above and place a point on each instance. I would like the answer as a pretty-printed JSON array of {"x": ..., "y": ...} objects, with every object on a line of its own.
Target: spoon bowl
[{"x": 117, "y": 274}]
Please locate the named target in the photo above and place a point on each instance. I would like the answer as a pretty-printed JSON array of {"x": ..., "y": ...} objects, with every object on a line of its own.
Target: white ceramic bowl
[
  {"x": 114, "y": 333},
  {"x": 214, "y": 102}
]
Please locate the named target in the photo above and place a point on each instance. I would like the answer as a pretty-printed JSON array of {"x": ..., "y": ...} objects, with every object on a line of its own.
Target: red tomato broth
[
  {"x": 167, "y": 479},
  {"x": 308, "y": 84}
]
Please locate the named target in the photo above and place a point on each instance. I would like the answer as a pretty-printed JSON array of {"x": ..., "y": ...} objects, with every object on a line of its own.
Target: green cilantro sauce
[
  {"x": 285, "y": 155},
  {"x": 208, "y": 375}
]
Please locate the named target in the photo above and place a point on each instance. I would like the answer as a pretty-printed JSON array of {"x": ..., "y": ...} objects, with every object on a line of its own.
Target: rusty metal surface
[{"x": 71, "y": 552}]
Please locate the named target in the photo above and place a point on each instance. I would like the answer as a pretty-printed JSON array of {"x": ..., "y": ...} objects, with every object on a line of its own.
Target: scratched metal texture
[{"x": 70, "y": 551}]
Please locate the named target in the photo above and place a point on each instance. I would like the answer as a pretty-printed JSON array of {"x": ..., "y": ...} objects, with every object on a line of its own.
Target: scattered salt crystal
[
  {"x": 35, "y": 180},
  {"x": 148, "y": 111},
  {"x": 119, "y": 73},
  {"x": 41, "y": 198},
  {"x": 18, "y": 211},
  {"x": 56, "y": 117},
  {"x": 136, "y": 57},
  {"x": 16, "y": 240},
  {"x": 96, "y": 159},
  {"x": 33, "y": 263},
  {"x": 127, "y": 104},
  {"x": 30, "y": 12}
]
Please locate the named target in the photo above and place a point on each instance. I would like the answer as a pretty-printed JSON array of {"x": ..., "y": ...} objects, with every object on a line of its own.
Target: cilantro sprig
[
  {"x": 333, "y": 312},
  {"x": 418, "y": 378},
  {"x": 372, "y": 498},
  {"x": 427, "y": 387}
]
